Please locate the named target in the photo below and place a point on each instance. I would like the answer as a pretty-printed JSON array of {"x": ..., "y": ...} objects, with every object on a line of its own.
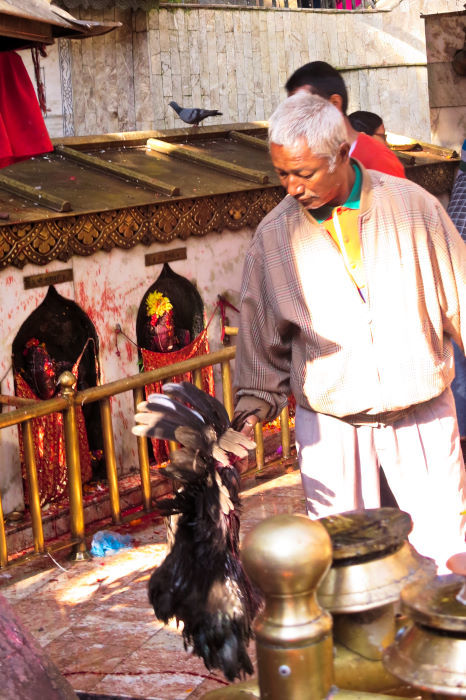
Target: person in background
[
  {"x": 369, "y": 123},
  {"x": 347, "y": 4},
  {"x": 457, "y": 212},
  {"x": 353, "y": 288},
  {"x": 320, "y": 78}
]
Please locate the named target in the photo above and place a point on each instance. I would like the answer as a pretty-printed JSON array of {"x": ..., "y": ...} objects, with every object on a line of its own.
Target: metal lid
[
  {"x": 434, "y": 603},
  {"x": 367, "y": 533},
  {"x": 365, "y": 585}
]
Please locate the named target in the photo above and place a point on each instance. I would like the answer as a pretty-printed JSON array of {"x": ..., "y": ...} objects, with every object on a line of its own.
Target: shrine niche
[
  {"x": 170, "y": 328},
  {"x": 58, "y": 336},
  {"x": 176, "y": 327}
]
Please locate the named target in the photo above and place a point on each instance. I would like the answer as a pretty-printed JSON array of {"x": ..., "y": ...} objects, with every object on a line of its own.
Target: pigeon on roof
[{"x": 194, "y": 115}]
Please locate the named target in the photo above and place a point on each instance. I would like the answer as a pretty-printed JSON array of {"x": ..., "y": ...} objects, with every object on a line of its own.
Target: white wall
[
  {"x": 237, "y": 59},
  {"x": 109, "y": 287}
]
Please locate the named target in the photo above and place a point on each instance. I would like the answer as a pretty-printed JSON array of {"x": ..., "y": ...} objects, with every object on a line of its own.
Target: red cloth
[
  {"x": 155, "y": 360},
  {"x": 22, "y": 129},
  {"x": 374, "y": 155},
  {"x": 346, "y": 4},
  {"x": 49, "y": 450}
]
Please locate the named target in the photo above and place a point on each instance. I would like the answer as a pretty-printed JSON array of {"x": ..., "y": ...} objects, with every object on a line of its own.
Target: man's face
[
  {"x": 308, "y": 178},
  {"x": 380, "y": 134}
]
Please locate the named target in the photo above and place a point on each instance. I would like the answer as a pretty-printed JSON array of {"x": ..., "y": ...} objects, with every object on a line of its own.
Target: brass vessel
[
  {"x": 287, "y": 556},
  {"x": 429, "y": 652},
  {"x": 372, "y": 562}
]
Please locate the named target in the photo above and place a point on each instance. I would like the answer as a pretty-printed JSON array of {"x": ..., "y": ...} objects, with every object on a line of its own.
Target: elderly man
[{"x": 352, "y": 288}]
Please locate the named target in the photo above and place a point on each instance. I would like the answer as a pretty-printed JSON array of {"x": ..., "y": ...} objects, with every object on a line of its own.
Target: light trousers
[{"x": 422, "y": 460}]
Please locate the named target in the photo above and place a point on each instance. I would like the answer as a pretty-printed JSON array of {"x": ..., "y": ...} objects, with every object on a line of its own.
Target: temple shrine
[{"x": 121, "y": 254}]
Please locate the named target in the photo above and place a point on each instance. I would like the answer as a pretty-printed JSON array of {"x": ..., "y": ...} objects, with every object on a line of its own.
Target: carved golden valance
[{"x": 85, "y": 234}]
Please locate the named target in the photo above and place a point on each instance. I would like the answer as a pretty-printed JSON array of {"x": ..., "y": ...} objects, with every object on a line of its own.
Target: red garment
[
  {"x": 375, "y": 156},
  {"x": 22, "y": 129},
  {"x": 49, "y": 450},
  {"x": 346, "y": 4},
  {"x": 155, "y": 360}
]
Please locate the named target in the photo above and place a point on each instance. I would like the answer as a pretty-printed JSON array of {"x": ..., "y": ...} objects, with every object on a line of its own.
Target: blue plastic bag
[{"x": 106, "y": 542}]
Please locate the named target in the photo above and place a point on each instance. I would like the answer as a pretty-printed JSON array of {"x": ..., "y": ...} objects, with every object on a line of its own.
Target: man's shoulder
[
  {"x": 284, "y": 208},
  {"x": 389, "y": 188}
]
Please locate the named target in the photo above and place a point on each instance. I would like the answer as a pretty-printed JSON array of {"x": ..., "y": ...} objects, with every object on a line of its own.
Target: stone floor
[{"x": 94, "y": 620}]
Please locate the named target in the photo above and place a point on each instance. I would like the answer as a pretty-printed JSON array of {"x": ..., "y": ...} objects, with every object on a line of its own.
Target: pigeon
[
  {"x": 194, "y": 115},
  {"x": 201, "y": 582}
]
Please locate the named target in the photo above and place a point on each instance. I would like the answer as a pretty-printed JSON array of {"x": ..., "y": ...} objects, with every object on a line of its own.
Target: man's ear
[
  {"x": 343, "y": 151},
  {"x": 337, "y": 101}
]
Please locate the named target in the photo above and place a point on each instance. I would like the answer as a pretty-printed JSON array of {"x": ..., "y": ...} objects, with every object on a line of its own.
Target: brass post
[
  {"x": 227, "y": 389},
  {"x": 285, "y": 431},
  {"x": 34, "y": 496},
  {"x": 259, "y": 440},
  {"x": 143, "y": 453},
  {"x": 197, "y": 376},
  {"x": 287, "y": 556},
  {"x": 110, "y": 458},
  {"x": 3, "y": 545},
  {"x": 67, "y": 383}
]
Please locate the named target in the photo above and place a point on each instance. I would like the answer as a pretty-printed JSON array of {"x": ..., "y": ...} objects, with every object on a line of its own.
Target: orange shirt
[
  {"x": 348, "y": 237},
  {"x": 342, "y": 223}
]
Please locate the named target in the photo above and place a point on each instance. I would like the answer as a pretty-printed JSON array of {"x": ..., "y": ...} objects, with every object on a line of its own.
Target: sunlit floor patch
[{"x": 95, "y": 621}]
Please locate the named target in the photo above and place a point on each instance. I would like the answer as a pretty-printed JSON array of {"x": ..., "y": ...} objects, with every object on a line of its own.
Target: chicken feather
[{"x": 201, "y": 582}]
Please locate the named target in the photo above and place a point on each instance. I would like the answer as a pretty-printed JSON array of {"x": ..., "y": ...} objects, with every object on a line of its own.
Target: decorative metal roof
[
  {"x": 105, "y": 4},
  {"x": 27, "y": 22},
  {"x": 118, "y": 190}
]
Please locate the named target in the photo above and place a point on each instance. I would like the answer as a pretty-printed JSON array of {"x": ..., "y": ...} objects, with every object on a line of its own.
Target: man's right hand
[{"x": 248, "y": 426}]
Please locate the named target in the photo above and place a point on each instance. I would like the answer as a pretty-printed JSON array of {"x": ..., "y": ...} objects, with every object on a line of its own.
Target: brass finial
[
  {"x": 67, "y": 381},
  {"x": 287, "y": 556}
]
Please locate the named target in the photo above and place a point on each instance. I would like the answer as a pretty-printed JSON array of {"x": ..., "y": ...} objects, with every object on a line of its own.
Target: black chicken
[{"x": 201, "y": 581}]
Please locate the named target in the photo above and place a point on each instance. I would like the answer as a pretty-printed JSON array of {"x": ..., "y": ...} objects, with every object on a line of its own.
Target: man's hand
[{"x": 248, "y": 426}]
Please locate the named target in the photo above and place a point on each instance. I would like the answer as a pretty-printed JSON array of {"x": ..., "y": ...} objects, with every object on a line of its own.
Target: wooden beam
[
  {"x": 139, "y": 138},
  {"x": 191, "y": 155},
  {"x": 250, "y": 140},
  {"x": 406, "y": 159},
  {"x": 117, "y": 170},
  {"x": 25, "y": 29},
  {"x": 41, "y": 197}
]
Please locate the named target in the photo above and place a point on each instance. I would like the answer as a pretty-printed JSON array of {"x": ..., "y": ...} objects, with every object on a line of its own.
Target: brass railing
[
  {"x": 258, "y": 432},
  {"x": 66, "y": 402}
]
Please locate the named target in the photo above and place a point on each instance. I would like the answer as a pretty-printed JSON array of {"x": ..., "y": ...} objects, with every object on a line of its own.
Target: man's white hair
[{"x": 312, "y": 118}]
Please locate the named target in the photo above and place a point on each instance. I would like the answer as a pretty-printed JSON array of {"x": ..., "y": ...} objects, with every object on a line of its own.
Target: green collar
[{"x": 353, "y": 201}]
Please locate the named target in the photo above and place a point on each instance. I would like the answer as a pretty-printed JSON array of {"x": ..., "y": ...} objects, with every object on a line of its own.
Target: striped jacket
[{"x": 305, "y": 329}]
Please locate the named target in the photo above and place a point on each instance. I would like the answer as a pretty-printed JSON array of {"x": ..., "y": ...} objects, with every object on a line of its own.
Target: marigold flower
[{"x": 157, "y": 304}]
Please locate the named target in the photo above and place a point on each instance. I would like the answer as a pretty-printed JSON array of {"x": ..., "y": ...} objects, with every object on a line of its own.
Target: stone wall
[
  {"x": 445, "y": 35},
  {"x": 237, "y": 59}
]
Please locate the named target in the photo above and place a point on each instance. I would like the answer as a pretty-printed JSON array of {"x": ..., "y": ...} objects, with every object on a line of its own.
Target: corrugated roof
[
  {"x": 90, "y": 174},
  {"x": 97, "y": 193}
]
